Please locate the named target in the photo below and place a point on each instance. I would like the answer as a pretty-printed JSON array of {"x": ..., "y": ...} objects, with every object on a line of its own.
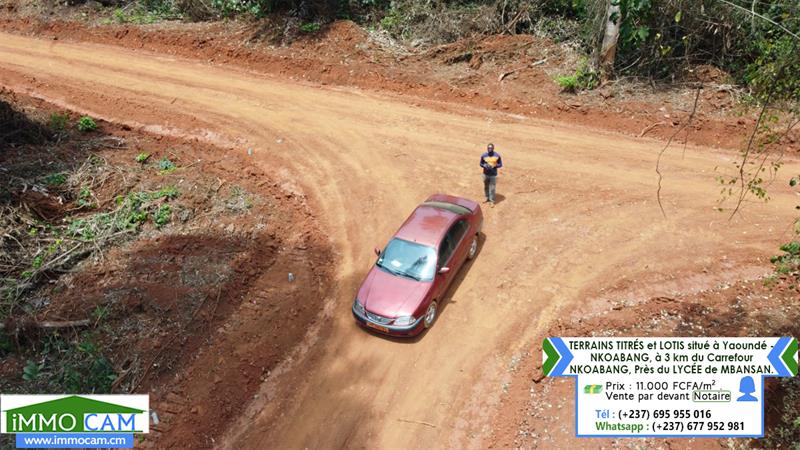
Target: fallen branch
[
  {"x": 503, "y": 75},
  {"x": 650, "y": 127},
  {"x": 45, "y": 325}
]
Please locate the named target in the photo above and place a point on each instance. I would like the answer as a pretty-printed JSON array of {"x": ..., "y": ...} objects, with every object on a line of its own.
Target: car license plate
[{"x": 377, "y": 327}]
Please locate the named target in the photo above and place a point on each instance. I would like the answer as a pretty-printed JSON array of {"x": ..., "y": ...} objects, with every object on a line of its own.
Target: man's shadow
[{"x": 499, "y": 198}]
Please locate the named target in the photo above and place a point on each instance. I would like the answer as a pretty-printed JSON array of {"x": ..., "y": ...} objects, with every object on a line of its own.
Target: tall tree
[{"x": 604, "y": 59}]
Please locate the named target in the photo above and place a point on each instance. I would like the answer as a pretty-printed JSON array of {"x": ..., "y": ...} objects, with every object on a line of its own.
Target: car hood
[{"x": 390, "y": 295}]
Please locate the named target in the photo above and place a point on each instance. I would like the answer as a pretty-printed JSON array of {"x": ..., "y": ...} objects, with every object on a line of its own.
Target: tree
[{"x": 604, "y": 58}]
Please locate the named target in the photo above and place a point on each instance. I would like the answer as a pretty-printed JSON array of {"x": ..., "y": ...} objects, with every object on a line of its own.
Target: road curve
[{"x": 578, "y": 214}]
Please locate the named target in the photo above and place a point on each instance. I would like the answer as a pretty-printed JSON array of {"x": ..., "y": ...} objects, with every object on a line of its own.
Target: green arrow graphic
[
  {"x": 552, "y": 356},
  {"x": 789, "y": 356}
]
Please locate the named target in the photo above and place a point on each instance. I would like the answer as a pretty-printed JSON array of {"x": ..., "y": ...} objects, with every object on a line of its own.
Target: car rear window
[{"x": 460, "y": 210}]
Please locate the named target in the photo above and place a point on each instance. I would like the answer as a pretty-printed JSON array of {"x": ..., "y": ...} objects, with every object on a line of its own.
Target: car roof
[{"x": 426, "y": 225}]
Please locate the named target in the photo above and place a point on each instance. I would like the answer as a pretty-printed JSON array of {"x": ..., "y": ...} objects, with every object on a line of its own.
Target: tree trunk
[{"x": 608, "y": 48}]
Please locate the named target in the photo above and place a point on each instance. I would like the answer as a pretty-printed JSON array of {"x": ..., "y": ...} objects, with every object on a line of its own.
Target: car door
[
  {"x": 451, "y": 254},
  {"x": 460, "y": 244}
]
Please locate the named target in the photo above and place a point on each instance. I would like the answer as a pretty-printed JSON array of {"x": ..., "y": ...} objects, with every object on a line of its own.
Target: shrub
[
  {"x": 229, "y": 8},
  {"x": 142, "y": 158},
  {"x": 238, "y": 200},
  {"x": 568, "y": 83},
  {"x": 774, "y": 56},
  {"x": 86, "y": 124},
  {"x": 584, "y": 78},
  {"x": 58, "y": 122},
  {"x": 55, "y": 179},
  {"x": 162, "y": 216},
  {"x": 166, "y": 166},
  {"x": 309, "y": 27},
  {"x": 788, "y": 263},
  {"x": 85, "y": 198}
]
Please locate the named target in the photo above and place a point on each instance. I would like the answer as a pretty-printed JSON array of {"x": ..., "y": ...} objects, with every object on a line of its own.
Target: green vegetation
[
  {"x": 70, "y": 367},
  {"x": 146, "y": 12},
  {"x": 584, "y": 78},
  {"x": 788, "y": 263},
  {"x": 55, "y": 179},
  {"x": 58, "y": 122},
  {"x": 238, "y": 200},
  {"x": 162, "y": 216},
  {"x": 86, "y": 124},
  {"x": 166, "y": 166},
  {"x": 142, "y": 158},
  {"x": 786, "y": 433},
  {"x": 132, "y": 211},
  {"x": 85, "y": 199},
  {"x": 59, "y": 246},
  {"x": 309, "y": 27},
  {"x": 657, "y": 39}
]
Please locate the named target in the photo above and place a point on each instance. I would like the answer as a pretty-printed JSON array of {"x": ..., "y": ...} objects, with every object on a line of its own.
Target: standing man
[{"x": 490, "y": 162}]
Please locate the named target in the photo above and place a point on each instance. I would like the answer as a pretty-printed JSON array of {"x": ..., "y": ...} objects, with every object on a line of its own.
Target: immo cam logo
[{"x": 69, "y": 417}]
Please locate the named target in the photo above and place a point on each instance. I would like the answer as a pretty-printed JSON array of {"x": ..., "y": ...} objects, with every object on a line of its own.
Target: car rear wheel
[
  {"x": 473, "y": 248},
  {"x": 430, "y": 315}
]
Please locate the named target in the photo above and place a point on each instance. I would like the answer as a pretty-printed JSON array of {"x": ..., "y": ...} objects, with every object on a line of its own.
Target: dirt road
[{"x": 578, "y": 213}]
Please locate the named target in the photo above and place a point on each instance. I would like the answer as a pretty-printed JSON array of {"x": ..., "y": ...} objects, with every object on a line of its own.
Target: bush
[
  {"x": 55, "y": 179},
  {"x": 166, "y": 166},
  {"x": 162, "y": 216},
  {"x": 86, "y": 124},
  {"x": 58, "y": 122},
  {"x": 256, "y": 8},
  {"x": 584, "y": 78},
  {"x": 788, "y": 263},
  {"x": 568, "y": 83},
  {"x": 69, "y": 367},
  {"x": 774, "y": 56},
  {"x": 309, "y": 27}
]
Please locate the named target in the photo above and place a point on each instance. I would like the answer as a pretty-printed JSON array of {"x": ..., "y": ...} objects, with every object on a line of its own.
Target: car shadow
[{"x": 446, "y": 300}]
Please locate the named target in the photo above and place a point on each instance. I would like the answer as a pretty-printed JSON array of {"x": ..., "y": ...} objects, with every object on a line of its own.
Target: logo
[
  {"x": 593, "y": 389},
  {"x": 54, "y": 421}
]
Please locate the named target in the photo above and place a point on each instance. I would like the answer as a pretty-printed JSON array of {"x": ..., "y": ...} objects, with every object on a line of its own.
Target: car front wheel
[{"x": 430, "y": 315}]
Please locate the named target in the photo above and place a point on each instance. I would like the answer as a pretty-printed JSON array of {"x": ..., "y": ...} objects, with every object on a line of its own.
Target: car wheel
[
  {"x": 473, "y": 248},
  {"x": 430, "y": 315}
]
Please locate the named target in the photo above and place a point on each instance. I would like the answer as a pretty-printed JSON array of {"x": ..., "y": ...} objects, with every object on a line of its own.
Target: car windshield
[{"x": 409, "y": 259}]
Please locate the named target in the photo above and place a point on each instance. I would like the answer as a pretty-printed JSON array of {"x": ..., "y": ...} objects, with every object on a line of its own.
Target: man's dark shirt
[{"x": 486, "y": 160}]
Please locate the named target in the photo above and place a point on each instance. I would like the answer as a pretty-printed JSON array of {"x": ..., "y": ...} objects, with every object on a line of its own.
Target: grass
[
  {"x": 69, "y": 366},
  {"x": 568, "y": 83},
  {"x": 788, "y": 263},
  {"x": 55, "y": 179},
  {"x": 86, "y": 124},
  {"x": 85, "y": 199},
  {"x": 142, "y": 158},
  {"x": 310, "y": 27},
  {"x": 584, "y": 78},
  {"x": 238, "y": 200},
  {"x": 141, "y": 15},
  {"x": 131, "y": 212},
  {"x": 58, "y": 122}
]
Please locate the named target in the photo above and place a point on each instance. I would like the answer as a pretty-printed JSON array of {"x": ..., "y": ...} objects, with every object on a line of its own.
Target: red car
[{"x": 403, "y": 291}]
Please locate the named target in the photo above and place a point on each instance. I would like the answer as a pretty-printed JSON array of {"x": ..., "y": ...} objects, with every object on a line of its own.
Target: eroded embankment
[{"x": 169, "y": 259}]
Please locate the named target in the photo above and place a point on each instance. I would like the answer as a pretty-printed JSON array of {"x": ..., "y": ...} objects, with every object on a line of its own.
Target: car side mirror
[
  {"x": 444, "y": 269},
  {"x": 377, "y": 251}
]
